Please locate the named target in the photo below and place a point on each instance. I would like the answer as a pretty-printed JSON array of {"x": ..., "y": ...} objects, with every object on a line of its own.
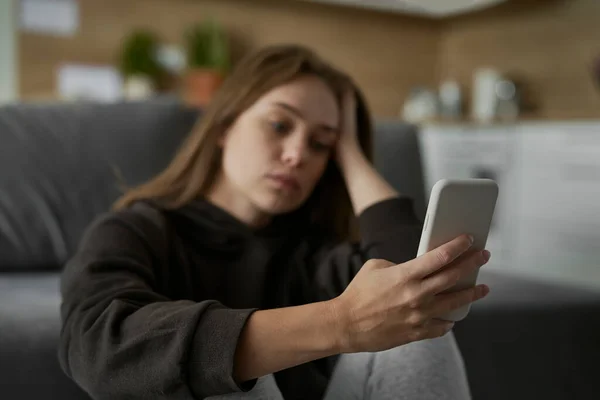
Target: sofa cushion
[
  {"x": 59, "y": 166},
  {"x": 30, "y": 328}
]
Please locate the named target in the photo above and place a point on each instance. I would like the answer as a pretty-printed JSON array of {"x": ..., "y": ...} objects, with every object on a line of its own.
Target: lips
[{"x": 284, "y": 181}]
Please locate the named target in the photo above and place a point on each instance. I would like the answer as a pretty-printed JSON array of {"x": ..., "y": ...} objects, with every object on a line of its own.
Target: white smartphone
[{"x": 456, "y": 207}]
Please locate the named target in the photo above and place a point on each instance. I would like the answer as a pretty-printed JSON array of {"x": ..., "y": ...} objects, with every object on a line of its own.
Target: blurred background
[
  {"x": 505, "y": 89},
  {"x": 501, "y": 89},
  {"x": 52, "y": 48}
]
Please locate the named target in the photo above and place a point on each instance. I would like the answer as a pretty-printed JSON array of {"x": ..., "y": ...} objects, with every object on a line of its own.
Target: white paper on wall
[
  {"x": 89, "y": 83},
  {"x": 53, "y": 17}
]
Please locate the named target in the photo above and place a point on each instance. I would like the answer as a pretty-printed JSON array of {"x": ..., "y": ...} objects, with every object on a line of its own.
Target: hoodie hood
[{"x": 221, "y": 230}]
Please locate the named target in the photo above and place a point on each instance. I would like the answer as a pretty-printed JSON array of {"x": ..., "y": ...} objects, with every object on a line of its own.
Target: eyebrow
[{"x": 297, "y": 112}]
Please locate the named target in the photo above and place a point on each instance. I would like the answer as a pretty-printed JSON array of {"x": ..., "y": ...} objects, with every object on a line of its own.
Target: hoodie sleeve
[
  {"x": 389, "y": 230},
  {"x": 122, "y": 338}
]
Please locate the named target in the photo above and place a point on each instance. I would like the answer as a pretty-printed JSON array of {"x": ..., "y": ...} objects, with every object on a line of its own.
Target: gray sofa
[{"x": 58, "y": 170}]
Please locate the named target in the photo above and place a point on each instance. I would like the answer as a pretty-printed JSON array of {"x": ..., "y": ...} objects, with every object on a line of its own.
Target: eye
[
  {"x": 320, "y": 146},
  {"x": 280, "y": 126}
]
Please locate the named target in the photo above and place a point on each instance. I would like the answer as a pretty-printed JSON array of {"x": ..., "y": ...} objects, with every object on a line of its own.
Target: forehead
[{"x": 309, "y": 95}]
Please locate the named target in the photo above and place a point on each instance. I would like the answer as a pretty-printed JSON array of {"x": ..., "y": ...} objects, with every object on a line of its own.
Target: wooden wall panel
[
  {"x": 550, "y": 44},
  {"x": 387, "y": 54}
]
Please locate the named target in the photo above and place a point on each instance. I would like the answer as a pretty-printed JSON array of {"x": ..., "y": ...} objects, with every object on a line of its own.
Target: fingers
[
  {"x": 349, "y": 104},
  {"x": 447, "y": 302},
  {"x": 436, "y": 259},
  {"x": 449, "y": 277}
]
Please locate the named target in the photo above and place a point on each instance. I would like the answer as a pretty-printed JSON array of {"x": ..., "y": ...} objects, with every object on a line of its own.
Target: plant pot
[
  {"x": 200, "y": 86},
  {"x": 138, "y": 87}
]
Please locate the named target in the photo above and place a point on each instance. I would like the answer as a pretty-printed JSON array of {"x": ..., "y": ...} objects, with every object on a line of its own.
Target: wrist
[
  {"x": 350, "y": 154},
  {"x": 340, "y": 325}
]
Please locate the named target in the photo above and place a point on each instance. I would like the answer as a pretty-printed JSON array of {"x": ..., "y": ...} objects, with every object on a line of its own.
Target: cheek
[{"x": 244, "y": 156}]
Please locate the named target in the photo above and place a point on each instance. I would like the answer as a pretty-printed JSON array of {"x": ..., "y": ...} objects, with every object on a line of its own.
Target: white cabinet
[
  {"x": 560, "y": 171},
  {"x": 547, "y": 220},
  {"x": 558, "y": 201}
]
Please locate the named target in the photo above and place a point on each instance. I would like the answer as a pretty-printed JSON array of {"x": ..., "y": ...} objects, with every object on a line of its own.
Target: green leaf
[
  {"x": 139, "y": 55},
  {"x": 207, "y": 46}
]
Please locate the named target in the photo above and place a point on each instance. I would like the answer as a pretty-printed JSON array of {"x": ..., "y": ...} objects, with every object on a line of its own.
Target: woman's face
[{"x": 277, "y": 150}]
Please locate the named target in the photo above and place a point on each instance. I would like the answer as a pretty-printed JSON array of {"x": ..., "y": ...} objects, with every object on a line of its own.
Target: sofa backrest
[
  {"x": 59, "y": 168},
  {"x": 60, "y": 163},
  {"x": 397, "y": 157}
]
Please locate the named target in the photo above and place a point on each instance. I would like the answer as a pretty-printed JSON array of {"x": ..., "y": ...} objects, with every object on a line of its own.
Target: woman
[{"x": 238, "y": 261}]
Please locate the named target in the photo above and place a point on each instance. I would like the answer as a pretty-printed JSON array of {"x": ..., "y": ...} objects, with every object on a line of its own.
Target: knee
[
  {"x": 433, "y": 367},
  {"x": 445, "y": 344},
  {"x": 265, "y": 388},
  {"x": 439, "y": 352}
]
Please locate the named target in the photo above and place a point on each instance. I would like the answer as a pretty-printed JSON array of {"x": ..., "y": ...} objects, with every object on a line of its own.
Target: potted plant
[
  {"x": 138, "y": 64},
  {"x": 207, "y": 61}
]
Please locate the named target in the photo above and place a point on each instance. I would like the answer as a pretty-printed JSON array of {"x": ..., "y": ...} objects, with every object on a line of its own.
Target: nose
[{"x": 294, "y": 151}]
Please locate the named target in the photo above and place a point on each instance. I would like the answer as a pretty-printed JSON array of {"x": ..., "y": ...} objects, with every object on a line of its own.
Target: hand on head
[{"x": 348, "y": 124}]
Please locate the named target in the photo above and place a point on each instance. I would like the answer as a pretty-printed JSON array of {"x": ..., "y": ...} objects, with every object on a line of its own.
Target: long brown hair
[{"x": 195, "y": 166}]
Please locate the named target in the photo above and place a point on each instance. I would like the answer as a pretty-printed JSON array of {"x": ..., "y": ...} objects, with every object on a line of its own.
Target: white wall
[{"x": 8, "y": 51}]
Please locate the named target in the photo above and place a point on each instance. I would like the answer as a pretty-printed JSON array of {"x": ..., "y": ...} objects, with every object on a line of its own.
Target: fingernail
[
  {"x": 471, "y": 239},
  {"x": 486, "y": 255}
]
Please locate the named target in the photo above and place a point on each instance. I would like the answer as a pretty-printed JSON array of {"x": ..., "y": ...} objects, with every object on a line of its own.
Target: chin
[{"x": 277, "y": 205}]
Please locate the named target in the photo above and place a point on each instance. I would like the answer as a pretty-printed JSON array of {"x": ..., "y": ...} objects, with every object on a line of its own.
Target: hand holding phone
[{"x": 388, "y": 305}]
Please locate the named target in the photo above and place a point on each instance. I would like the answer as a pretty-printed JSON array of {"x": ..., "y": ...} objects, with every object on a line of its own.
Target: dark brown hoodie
[{"x": 154, "y": 301}]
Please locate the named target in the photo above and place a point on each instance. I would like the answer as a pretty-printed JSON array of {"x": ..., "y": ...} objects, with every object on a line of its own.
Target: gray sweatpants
[{"x": 424, "y": 370}]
